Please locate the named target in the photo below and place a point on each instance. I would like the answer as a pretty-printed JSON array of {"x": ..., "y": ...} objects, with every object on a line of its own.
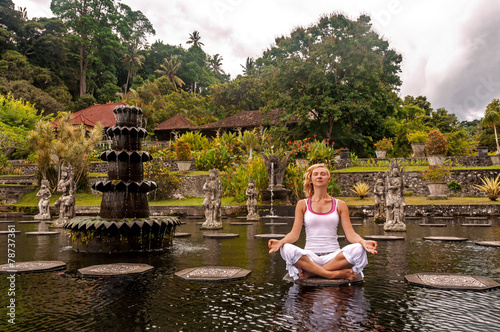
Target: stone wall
[
  {"x": 467, "y": 161},
  {"x": 415, "y": 184},
  {"x": 433, "y": 210}
]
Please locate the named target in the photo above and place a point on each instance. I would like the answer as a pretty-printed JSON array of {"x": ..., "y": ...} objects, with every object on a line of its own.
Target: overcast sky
[{"x": 450, "y": 48}]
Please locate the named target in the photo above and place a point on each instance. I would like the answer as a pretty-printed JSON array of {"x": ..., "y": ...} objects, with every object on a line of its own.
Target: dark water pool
[{"x": 62, "y": 301}]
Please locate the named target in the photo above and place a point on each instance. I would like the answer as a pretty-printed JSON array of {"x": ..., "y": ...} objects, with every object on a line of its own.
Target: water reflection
[{"x": 328, "y": 308}]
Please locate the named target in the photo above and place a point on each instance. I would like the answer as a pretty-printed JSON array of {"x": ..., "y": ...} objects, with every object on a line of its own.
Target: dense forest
[{"x": 336, "y": 79}]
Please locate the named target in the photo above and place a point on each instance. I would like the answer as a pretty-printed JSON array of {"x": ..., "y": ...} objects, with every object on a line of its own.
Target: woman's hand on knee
[
  {"x": 274, "y": 245},
  {"x": 370, "y": 246}
]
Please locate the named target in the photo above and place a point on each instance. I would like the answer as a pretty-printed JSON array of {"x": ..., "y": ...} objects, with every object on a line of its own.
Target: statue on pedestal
[
  {"x": 394, "y": 199},
  {"x": 252, "y": 195},
  {"x": 212, "y": 202},
  {"x": 66, "y": 203},
  {"x": 379, "y": 199},
  {"x": 43, "y": 204}
]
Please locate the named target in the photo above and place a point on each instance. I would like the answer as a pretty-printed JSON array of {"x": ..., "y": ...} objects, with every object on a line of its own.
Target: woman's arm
[
  {"x": 350, "y": 233},
  {"x": 294, "y": 234}
]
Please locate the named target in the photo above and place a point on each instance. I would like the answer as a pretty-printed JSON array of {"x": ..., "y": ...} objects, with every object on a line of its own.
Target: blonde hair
[{"x": 308, "y": 187}]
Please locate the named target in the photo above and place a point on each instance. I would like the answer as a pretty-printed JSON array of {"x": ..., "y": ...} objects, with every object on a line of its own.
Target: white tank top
[{"x": 321, "y": 229}]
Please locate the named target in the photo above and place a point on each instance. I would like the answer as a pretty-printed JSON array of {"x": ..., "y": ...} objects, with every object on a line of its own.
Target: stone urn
[
  {"x": 495, "y": 159},
  {"x": 184, "y": 165},
  {"x": 381, "y": 153},
  {"x": 436, "y": 159},
  {"x": 437, "y": 190},
  {"x": 418, "y": 150}
]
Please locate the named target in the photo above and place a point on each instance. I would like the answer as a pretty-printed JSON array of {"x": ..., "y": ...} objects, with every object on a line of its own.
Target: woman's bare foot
[
  {"x": 303, "y": 274},
  {"x": 343, "y": 274}
]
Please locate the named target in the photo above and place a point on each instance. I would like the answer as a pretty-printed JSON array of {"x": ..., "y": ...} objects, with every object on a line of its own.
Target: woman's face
[{"x": 320, "y": 176}]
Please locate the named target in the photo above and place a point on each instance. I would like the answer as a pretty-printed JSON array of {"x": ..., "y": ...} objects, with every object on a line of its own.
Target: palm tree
[
  {"x": 216, "y": 65},
  {"x": 133, "y": 61},
  {"x": 250, "y": 140},
  {"x": 169, "y": 69},
  {"x": 194, "y": 38},
  {"x": 492, "y": 118},
  {"x": 249, "y": 67}
]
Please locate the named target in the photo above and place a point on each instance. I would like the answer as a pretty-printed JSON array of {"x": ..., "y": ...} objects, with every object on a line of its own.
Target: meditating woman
[{"x": 322, "y": 255}]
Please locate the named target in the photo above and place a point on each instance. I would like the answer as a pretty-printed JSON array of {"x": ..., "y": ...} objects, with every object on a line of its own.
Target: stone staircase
[{"x": 7, "y": 211}]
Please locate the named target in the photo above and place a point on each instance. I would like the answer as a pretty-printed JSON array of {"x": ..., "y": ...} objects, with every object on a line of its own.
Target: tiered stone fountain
[{"x": 124, "y": 224}]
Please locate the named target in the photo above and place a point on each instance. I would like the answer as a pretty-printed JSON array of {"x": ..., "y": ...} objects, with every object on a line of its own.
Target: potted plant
[
  {"x": 183, "y": 155},
  {"x": 417, "y": 140},
  {"x": 491, "y": 187},
  {"x": 435, "y": 178},
  {"x": 382, "y": 146},
  {"x": 436, "y": 147}
]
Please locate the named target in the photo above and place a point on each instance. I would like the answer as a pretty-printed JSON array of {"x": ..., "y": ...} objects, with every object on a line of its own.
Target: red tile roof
[
  {"x": 245, "y": 119},
  {"x": 175, "y": 122},
  {"x": 102, "y": 113}
]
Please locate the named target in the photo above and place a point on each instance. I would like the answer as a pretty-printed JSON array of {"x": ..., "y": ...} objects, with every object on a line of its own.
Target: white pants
[{"x": 354, "y": 253}]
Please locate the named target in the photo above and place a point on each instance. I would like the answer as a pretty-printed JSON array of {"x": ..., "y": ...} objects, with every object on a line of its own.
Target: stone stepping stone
[
  {"x": 451, "y": 281},
  {"x": 269, "y": 236},
  {"x": 8, "y": 232},
  {"x": 445, "y": 238},
  {"x": 355, "y": 218},
  {"x": 221, "y": 236},
  {"x": 7, "y": 221},
  {"x": 433, "y": 225},
  {"x": 476, "y": 218},
  {"x": 114, "y": 270},
  {"x": 182, "y": 234},
  {"x": 476, "y": 225},
  {"x": 384, "y": 237},
  {"x": 241, "y": 223},
  {"x": 354, "y": 225},
  {"x": 340, "y": 237},
  {"x": 30, "y": 221},
  {"x": 32, "y": 266},
  {"x": 41, "y": 233},
  {"x": 213, "y": 273},
  {"x": 322, "y": 282},
  {"x": 276, "y": 224},
  {"x": 489, "y": 243},
  {"x": 443, "y": 218},
  {"x": 11, "y": 214}
]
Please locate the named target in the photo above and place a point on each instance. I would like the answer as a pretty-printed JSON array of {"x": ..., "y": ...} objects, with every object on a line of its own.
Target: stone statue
[
  {"x": 394, "y": 199},
  {"x": 276, "y": 166},
  {"x": 66, "y": 203},
  {"x": 212, "y": 202},
  {"x": 43, "y": 204},
  {"x": 252, "y": 194},
  {"x": 379, "y": 199}
]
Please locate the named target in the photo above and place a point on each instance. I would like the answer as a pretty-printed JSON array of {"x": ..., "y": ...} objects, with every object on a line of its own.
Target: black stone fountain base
[
  {"x": 280, "y": 196},
  {"x": 95, "y": 234}
]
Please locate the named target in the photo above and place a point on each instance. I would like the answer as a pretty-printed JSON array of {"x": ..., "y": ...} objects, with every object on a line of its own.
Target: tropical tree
[
  {"x": 215, "y": 64},
  {"x": 169, "y": 69},
  {"x": 132, "y": 60},
  {"x": 492, "y": 118},
  {"x": 194, "y": 38},
  {"x": 336, "y": 79},
  {"x": 250, "y": 140},
  {"x": 249, "y": 67},
  {"x": 41, "y": 140}
]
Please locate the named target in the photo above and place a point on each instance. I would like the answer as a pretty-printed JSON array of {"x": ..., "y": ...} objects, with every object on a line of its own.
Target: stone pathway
[
  {"x": 489, "y": 243},
  {"x": 276, "y": 224},
  {"x": 384, "y": 237},
  {"x": 114, "y": 270},
  {"x": 318, "y": 281},
  {"x": 41, "y": 233},
  {"x": 9, "y": 232},
  {"x": 32, "y": 266},
  {"x": 451, "y": 281},
  {"x": 221, "y": 236},
  {"x": 445, "y": 238},
  {"x": 213, "y": 273},
  {"x": 269, "y": 236}
]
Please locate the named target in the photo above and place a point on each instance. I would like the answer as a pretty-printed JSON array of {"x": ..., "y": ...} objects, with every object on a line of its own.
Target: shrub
[
  {"x": 437, "y": 173},
  {"x": 166, "y": 181},
  {"x": 235, "y": 178},
  {"x": 383, "y": 144},
  {"x": 417, "y": 137},
  {"x": 182, "y": 150},
  {"x": 321, "y": 152},
  {"x": 436, "y": 143},
  {"x": 361, "y": 189},
  {"x": 454, "y": 185},
  {"x": 216, "y": 157},
  {"x": 299, "y": 148},
  {"x": 491, "y": 187},
  {"x": 197, "y": 141}
]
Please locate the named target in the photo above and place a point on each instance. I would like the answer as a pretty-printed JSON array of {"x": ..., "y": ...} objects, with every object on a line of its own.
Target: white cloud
[{"x": 450, "y": 48}]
